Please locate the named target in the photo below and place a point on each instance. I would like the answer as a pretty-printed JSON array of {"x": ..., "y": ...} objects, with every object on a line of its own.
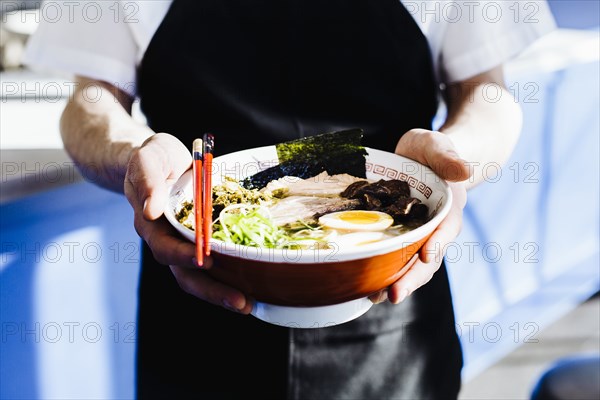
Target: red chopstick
[
  {"x": 207, "y": 156},
  {"x": 197, "y": 150}
]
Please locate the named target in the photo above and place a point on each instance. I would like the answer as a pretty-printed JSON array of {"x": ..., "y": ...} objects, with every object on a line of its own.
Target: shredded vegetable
[{"x": 251, "y": 225}]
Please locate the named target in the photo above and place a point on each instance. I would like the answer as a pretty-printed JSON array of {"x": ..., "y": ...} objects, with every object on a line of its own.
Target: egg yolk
[
  {"x": 359, "y": 217},
  {"x": 357, "y": 220}
]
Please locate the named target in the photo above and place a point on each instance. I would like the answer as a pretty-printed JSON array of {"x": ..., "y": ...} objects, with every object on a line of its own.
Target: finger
[
  {"x": 199, "y": 284},
  {"x": 435, "y": 150},
  {"x": 383, "y": 294},
  {"x": 150, "y": 172},
  {"x": 379, "y": 297},
  {"x": 459, "y": 194},
  {"x": 129, "y": 188},
  {"x": 418, "y": 275},
  {"x": 448, "y": 230},
  {"x": 166, "y": 244},
  {"x": 152, "y": 168},
  {"x": 433, "y": 250},
  {"x": 176, "y": 159}
]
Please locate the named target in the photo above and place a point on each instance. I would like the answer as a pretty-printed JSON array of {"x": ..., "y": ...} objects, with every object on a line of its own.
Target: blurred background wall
[{"x": 69, "y": 256}]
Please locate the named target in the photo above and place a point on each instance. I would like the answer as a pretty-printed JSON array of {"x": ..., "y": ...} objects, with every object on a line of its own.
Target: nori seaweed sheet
[{"x": 337, "y": 152}]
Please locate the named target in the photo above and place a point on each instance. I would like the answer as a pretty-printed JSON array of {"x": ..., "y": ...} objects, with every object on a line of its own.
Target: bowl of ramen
[{"x": 316, "y": 228}]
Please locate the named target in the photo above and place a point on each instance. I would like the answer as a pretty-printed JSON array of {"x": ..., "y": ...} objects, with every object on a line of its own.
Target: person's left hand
[{"x": 435, "y": 150}]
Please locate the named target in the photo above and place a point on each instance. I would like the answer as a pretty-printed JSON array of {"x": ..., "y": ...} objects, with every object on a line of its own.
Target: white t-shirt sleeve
[
  {"x": 89, "y": 38},
  {"x": 480, "y": 35}
]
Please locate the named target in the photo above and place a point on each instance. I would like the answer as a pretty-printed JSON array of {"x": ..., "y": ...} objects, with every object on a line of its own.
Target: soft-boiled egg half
[{"x": 357, "y": 220}]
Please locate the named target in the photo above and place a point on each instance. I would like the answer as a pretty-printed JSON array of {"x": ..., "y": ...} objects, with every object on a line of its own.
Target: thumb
[
  {"x": 152, "y": 169},
  {"x": 435, "y": 150},
  {"x": 172, "y": 159}
]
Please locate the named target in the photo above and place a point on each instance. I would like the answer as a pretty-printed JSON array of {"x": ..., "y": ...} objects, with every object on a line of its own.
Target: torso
[{"x": 258, "y": 73}]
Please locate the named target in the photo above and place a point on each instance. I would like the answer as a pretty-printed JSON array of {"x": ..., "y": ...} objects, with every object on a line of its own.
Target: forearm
[
  {"x": 100, "y": 136},
  {"x": 484, "y": 123}
]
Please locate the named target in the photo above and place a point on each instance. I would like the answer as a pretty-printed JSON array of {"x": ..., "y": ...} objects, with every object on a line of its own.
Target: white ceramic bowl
[{"x": 307, "y": 278}]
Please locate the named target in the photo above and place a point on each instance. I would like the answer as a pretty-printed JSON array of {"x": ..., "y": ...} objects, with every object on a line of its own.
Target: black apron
[{"x": 256, "y": 73}]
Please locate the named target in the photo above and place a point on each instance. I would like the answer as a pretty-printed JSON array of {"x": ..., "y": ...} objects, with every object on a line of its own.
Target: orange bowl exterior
[{"x": 316, "y": 284}]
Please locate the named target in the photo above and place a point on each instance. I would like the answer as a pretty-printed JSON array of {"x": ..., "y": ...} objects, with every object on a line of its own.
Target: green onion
[{"x": 251, "y": 225}]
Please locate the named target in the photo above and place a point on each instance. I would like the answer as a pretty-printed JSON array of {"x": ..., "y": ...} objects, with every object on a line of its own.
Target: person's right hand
[{"x": 152, "y": 168}]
